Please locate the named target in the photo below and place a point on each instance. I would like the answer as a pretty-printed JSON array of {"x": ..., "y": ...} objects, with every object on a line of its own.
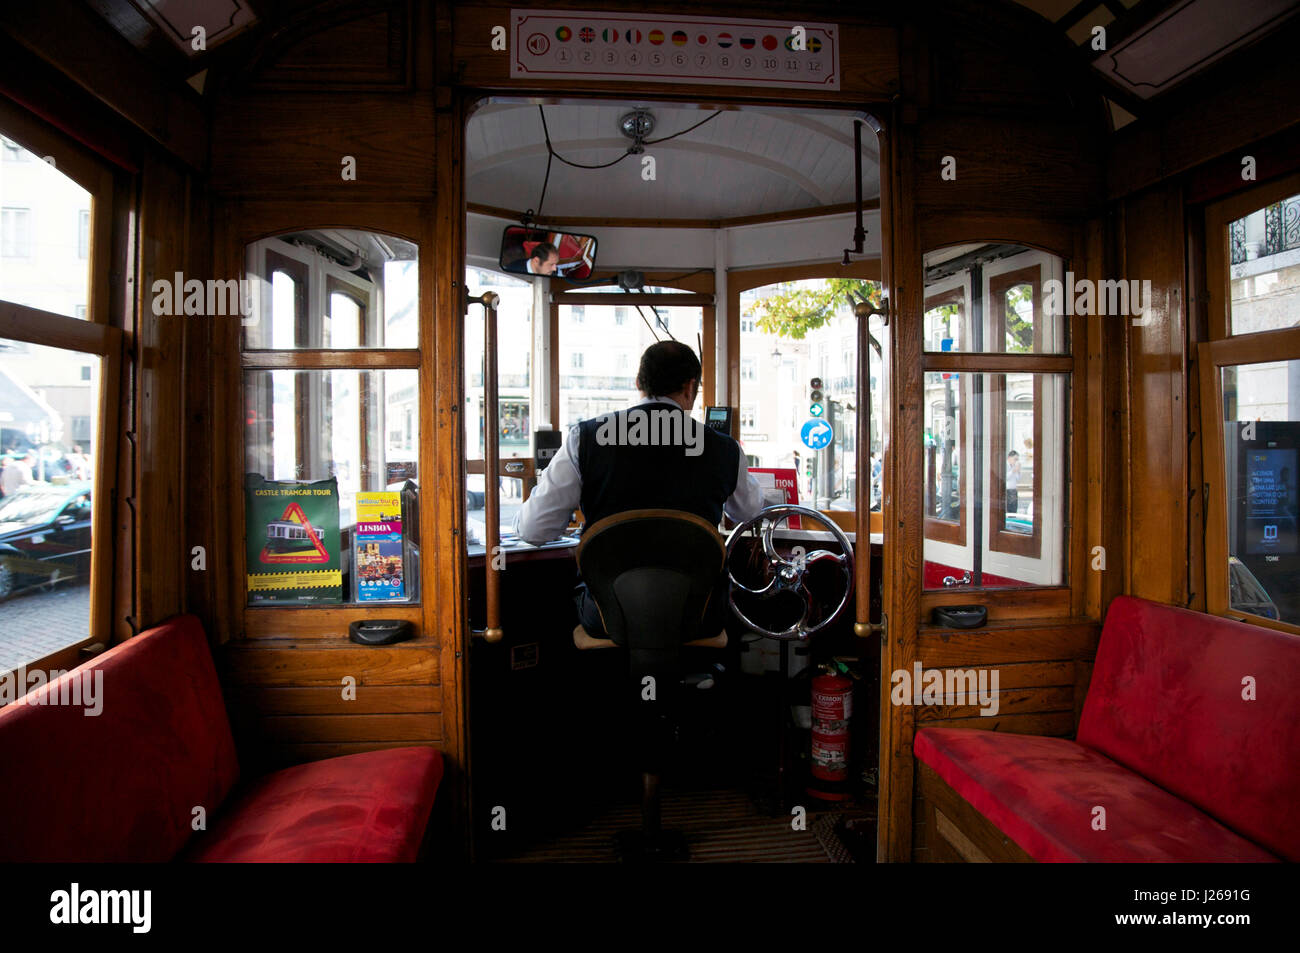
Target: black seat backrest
[{"x": 652, "y": 573}]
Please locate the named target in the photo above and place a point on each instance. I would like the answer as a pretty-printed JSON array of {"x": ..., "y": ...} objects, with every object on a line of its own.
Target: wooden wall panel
[
  {"x": 1156, "y": 561},
  {"x": 1007, "y": 643},
  {"x": 1034, "y": 697},
  {"x": 286, "y": 699},
  {"x": 370, "y": 700},
  {"x": 1007, "y": 165},
  {"x": 159, "y": 431},
  {"x": 275, "y": 663},
  {"x": 294, "y": 143}
]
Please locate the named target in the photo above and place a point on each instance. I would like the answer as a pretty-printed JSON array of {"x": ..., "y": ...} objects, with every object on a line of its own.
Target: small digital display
[{"x": 718, "y": 414}]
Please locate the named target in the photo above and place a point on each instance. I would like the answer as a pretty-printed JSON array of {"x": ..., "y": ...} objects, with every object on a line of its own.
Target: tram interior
[
  {"x": 777, "y": 184},
  {"x": 301, "y": 302}
]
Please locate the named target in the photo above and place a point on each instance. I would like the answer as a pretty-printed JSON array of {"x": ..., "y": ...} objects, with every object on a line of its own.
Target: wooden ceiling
[{"x": 1151, "y": 46}]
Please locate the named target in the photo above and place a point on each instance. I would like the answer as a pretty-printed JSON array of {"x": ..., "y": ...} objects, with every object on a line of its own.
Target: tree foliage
[
  {"x": 793, "y": 312},
  {"x": 1019, "y": 330}
]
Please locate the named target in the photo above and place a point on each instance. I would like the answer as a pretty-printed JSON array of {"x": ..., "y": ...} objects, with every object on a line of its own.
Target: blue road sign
[{"x": 816, "y": 434}]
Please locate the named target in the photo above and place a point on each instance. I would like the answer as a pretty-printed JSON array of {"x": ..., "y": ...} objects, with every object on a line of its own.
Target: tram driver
[{"x": 614, "y": 463}]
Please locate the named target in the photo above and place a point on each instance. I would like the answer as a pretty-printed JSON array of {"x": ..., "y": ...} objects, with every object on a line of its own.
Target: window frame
[
  {"x": 941, "y": 530},
  {"x": 1225, "y": 349},
  {"x": 730, "y": 390},
  {"x": 310, "y": 621},
  {"x": 695, "y": 291},
  {"x": 93, "y": 335},
  {"x": 1000, "y": 539},
  {"x": 1039, "y": 600}
]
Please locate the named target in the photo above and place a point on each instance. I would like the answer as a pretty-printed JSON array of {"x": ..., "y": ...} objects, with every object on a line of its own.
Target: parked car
[
  {"x": 1245, "y": 593},
  {"x": 44, "y": 536}
]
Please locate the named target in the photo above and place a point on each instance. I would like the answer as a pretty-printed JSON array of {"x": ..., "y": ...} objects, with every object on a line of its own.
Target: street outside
[{"x": 37, "y": 624}]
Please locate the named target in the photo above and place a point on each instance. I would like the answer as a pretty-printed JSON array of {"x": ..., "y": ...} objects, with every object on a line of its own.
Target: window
[
  {"x": 1265, "y": 268},
  {"x": 44, "y": 259},
  {"x": 996, "y": 443},
  {"x": 332, "y": 289},
  {"x": 599, "y": 359},
  {"x": 1261, "y": 447},
  {"x": 56, "y": 564},
  {"x": 15, "y": 233},
  {"x": 748, "y": 416},
  {"x": 331, "y": 452},
  {"x": 1250, "y": 410},
  {"x": 577, "y": 314},
  {"x": 620, "y": 316},
  {"x": 796, "y": 327},
  {"x": 514, "y": 364}
]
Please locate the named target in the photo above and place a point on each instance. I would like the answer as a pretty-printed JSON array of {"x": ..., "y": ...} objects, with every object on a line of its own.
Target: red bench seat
[
  {"x": 1188, "y": 741},
  {"x": 132, "y": 782},
  {"x": 1041, "y": 792}
]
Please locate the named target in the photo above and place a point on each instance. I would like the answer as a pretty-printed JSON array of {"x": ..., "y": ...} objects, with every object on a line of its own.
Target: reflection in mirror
[
  {"x": 332, "y": 288},
  {"x": 531, "y": 251}
]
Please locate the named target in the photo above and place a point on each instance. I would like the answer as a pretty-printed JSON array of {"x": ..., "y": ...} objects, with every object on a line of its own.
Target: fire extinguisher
[{"x": 832, "y": 707}]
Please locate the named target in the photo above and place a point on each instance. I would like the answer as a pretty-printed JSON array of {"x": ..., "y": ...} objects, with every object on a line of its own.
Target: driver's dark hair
[
  {"x": 666, "y": 367},
  {"x": 544, "y": 250}
]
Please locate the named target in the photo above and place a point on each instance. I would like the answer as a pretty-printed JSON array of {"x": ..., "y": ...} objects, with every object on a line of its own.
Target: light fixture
[
  {"x": 636, "y": 125},
  {"x": 777, "y": 357}
]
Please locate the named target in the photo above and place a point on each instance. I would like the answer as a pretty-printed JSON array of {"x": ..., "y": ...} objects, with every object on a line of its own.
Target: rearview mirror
[{"x": 535, "y": 251}]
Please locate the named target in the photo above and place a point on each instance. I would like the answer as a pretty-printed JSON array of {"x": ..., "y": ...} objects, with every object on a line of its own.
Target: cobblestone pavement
[{"x": 37, "y": 623}]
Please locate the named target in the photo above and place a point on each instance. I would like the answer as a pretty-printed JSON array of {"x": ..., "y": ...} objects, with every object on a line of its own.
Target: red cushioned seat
[
  {"x": 369, "y": 807},
  {"x": 121, "y": 785},
  {"x": 1041, "y": 792},
  {"x": 1168, "y": 700}
]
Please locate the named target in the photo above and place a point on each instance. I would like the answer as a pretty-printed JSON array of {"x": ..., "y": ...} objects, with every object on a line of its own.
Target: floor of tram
[
  {"x": 735, "y": 787},
  {"x": 722, "y": 826}
]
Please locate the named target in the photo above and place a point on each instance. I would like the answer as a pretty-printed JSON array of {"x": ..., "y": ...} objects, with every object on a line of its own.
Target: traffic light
[{"x": 815, "y": 395}]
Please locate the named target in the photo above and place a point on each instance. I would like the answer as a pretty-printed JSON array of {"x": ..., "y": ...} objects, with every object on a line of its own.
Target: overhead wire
[{"x": 651, "y": 142}]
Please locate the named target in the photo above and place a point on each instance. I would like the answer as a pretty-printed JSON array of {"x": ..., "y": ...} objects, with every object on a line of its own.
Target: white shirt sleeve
[
  {"x": 747, "y": 499},
  {"x": 545, "y": 514}
]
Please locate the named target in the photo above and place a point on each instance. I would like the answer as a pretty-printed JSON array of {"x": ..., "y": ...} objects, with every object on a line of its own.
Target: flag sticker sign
[{"x": 673, "y": 49}]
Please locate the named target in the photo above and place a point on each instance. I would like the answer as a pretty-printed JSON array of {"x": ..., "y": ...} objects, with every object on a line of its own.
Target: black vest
[{"x": 655, "y": 456}]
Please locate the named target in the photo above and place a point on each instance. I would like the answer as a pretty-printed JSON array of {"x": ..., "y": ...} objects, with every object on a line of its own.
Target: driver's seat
[{"x": 652, "y": 574}]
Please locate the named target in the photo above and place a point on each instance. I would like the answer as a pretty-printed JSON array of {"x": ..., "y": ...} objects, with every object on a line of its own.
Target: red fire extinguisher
[{"x": 832, "y": 706}]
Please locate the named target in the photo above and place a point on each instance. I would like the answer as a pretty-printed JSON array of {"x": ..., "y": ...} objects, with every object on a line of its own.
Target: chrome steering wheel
[{"x": 788, "y": 574}]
